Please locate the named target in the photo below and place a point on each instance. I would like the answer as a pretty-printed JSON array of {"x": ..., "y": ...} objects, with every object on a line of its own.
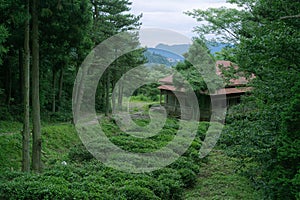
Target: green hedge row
[{"x": 83, "y": 177}]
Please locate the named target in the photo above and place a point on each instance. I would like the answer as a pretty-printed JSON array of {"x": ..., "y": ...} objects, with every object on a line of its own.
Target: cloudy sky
[{"x": 168, "y": 14}]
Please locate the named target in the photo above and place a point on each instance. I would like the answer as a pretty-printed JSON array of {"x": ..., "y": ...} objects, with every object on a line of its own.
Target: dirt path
[{"x": 218, "y": 180}]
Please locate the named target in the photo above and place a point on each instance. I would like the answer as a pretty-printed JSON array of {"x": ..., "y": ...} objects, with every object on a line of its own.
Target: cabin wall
[{"x": 172, "y": 104}]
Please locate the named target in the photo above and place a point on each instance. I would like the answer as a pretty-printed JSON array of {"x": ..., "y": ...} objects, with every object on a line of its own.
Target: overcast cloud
[{"x": 169, "y": 14}]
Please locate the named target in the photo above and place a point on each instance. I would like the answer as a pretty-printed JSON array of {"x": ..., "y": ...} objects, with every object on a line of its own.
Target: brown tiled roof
[
  {"x": 170, "y": 88},
  {"x": 230, "y": 89},
  {"x": 233, "y": 82},
  {"x": 224, "y": 63},
  {"x": 167, "y": 80},
  {"x": 222, "y": 91}
]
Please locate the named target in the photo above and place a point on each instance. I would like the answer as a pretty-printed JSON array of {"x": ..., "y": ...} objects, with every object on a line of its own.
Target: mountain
[
  {"x": 179, "y": 49},
  {"x": 170, "y": 55},
  {"x": 216, "y": 47},
  {"x": 160, "y": 56}
]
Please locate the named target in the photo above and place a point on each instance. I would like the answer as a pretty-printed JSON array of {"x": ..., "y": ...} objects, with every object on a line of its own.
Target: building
[{"x": 232, "y": 93}]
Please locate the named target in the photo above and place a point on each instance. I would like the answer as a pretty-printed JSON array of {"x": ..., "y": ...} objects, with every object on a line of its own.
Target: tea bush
[{"x": 83, "y": 177}]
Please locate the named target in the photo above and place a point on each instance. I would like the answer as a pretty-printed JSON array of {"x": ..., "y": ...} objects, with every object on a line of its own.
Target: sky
[{"x": 169, "y": 14}]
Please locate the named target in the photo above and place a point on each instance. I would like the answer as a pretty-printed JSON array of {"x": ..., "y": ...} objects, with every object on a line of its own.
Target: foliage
[
  {"x": 226, "y": 23},
  {"x": 140, "y": 97},
  {"x": 3, "y": 36},
  {"x": 262, "y": 129},
  {"x": 198, "y": 70},
  {"x": 58, "y": 139},
  {"x": 79, "y": 153},
  {"x": 218, "y": 179},
  {"x": 83, "y": 177},
  {"x": 68, "y": 31},
  {"x": 10, "y": 154},
  {"x": 152, "y": 73}
]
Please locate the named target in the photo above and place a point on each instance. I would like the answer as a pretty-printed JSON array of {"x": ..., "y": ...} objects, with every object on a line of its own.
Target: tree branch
[{"x": 290, "y": 17}]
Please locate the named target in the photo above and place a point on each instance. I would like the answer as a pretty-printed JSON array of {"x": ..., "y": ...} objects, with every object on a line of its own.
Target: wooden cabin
[{"x": 232, "y": 92}]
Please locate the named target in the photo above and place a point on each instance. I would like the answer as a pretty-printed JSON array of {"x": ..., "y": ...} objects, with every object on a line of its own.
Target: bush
[
  {"x": 86, "y": 178},
  {"x": 30, "y": 186},
  {"x": 35, "y": 187},
  {"x": 171, "y": 181},
  {"x": 10, "y": 151},
  {"x": 135, "y": 192},
  {"x": 5, "y": 114},
  {"x": 61, "y": 117},
  {"x": 139, "y": 97},
  {"x": 188, "y": 177},
  {"x": 186, "y": 163},
  {"x": 79, "y": 153}
]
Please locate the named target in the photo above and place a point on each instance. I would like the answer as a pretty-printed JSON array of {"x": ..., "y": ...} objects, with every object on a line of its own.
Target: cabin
[{"x": 232, "y": 92}]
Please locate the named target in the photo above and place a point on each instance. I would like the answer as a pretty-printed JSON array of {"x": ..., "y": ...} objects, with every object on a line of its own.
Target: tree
[
  {"x": 110, "y": 18},
  {"x": 26, "y": 128},
  {"x": 3, "y": 36},
  {"x": 11, "y": 45},
  {"x": 272, "y": 55},
  {"x": 66, "y": 26},
  {"x": 3, "y": 49},
  {"x": 36, "y": 133},
  {"x": 262, "y": 129},
  {"x": 198, "y": 68},
  {"x": 68, "y": 30},
  {"x": 226, "y": 23}
]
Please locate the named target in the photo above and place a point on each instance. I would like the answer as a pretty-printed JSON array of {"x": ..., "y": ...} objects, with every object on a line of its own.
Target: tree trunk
[
  {"x": 26, "y": 79},
  {"x": 120, "y": 96},
  {"x": 37, "y": 142},
  {"x": 78, "y": 93},
  {"x": 107, "y": 103},
  {"x": 61, "y": 82},
  {"x": 113, "y": 99},
  {"x": 21, "y": 72},
  {"x": 53, "y": 90},
  {"x": 8, "y": 84}
]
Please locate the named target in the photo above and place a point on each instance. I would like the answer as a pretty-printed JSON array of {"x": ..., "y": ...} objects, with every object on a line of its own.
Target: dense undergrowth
[{"x": 71, "y": 172}]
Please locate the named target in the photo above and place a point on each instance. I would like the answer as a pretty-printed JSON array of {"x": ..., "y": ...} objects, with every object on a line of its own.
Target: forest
[{"x": 42, "y": 46}]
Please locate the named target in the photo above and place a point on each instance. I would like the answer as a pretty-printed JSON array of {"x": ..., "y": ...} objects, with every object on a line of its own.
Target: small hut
[{"x": 232, "y": 92}]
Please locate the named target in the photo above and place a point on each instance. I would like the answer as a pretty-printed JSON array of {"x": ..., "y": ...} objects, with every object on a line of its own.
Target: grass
[
  {"x": 11, "y": 146},
  {"x": 8, "y": 127},
  {"x": 219, "y": 180},
  {"x": 56, "y": 141}
]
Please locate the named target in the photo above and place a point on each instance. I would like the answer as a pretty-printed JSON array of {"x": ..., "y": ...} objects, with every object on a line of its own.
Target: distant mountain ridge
[
  {"x": 161, "y": 56},
  {"x": 170, "y": 55},
  {"x": 215, "y": 47},
  {"x": 179, "y": 49}
]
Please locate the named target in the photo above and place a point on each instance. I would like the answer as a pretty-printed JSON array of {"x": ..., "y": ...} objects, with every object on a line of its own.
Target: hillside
[
  {"x": 183, "y": 48},
  {"x": 71, "y": 172},
  {"x": 170, "y": 55},
  {"x": 218, "y": 179},
  {"x": 160, "y": 56},
  {"x": 179, "y": 49}
]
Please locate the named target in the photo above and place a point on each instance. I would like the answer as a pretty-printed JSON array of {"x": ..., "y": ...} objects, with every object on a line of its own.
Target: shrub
[
  {"x": 79, "y": 153},
  {"x": 171, "y": 181},
  {"x": 135, "y": 192},
  {"x": 140, "y": 97},
  {"x": 188, "y": 177},
  {"x": 35, "y": 187},
  {"x": 61, "y": 117},
  {"x": 186, "y": 163},
  {"x": 86, "y": 178}
]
